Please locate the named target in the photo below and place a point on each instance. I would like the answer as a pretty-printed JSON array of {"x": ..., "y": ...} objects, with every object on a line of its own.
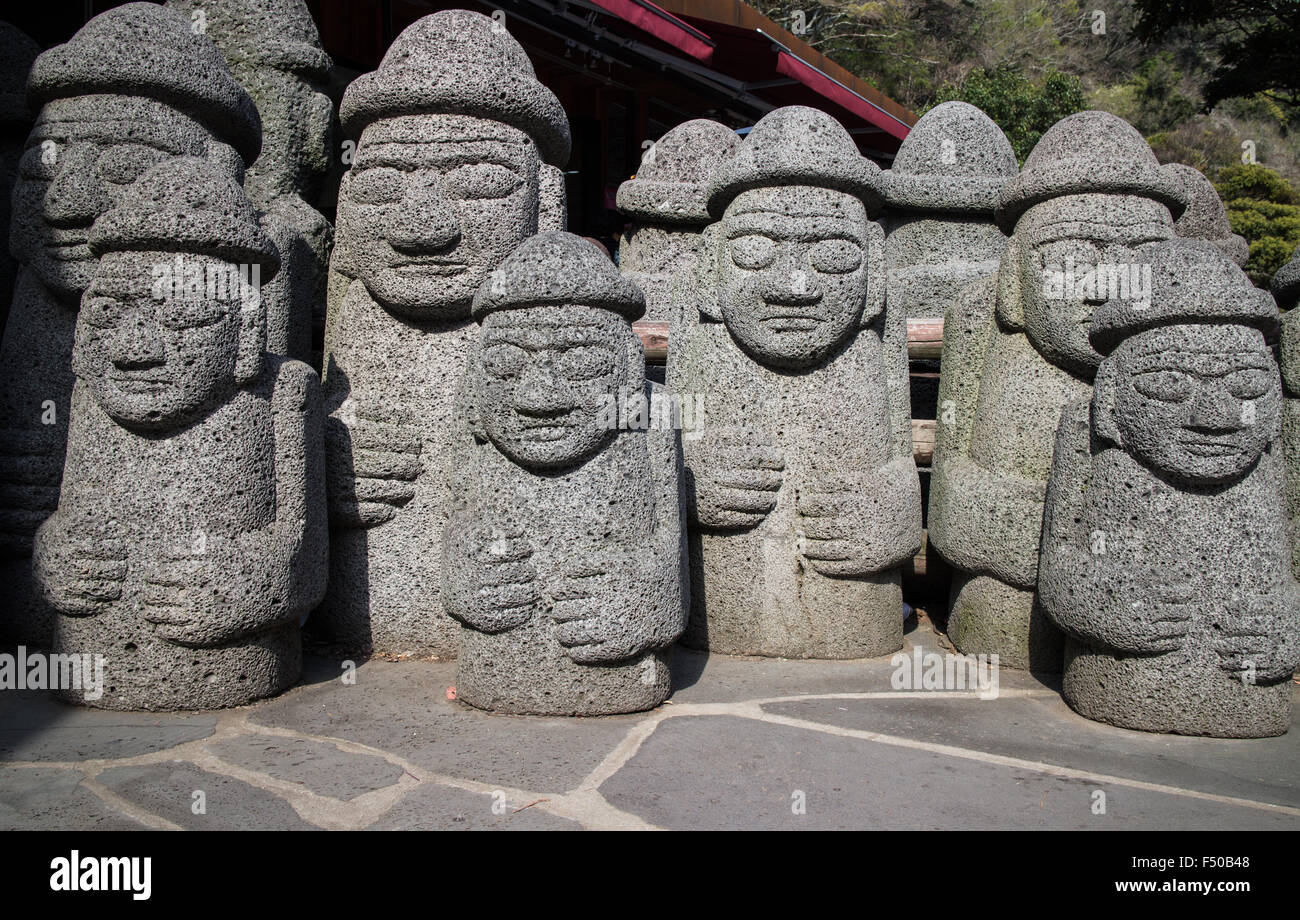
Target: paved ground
[{"x": 744, "y": 743}]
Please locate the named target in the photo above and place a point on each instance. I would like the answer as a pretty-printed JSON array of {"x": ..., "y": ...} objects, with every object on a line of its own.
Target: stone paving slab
[
  {"x": 55, "y": 800},
  {"x": 167, "y": 790},
  {"x": 321, "y": 767},
  {"x": 439, "y": 808}
]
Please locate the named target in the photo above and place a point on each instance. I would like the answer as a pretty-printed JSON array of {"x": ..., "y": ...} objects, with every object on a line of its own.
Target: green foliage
[
  {"x": 1255, "y": 181},
  {"x": 1265, "y": 209},
  {"x": 1021, "y": 107}
]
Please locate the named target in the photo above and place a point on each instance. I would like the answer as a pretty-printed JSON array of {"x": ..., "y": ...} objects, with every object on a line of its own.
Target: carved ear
[
  {"x": 1010, "y": 310},
  {"x": 634, "y": 359},
  {"x": 1103, "y": 403},
  {"x": 553, "y": 207},
  {"x": 252, "y": 329},
  {"x": 707, "y": 274},
  {"x": 877, "y": 283}
]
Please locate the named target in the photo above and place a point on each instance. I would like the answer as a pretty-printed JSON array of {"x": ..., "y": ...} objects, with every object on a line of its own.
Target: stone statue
[
  {"x": 456, "y": 139},
  {"x": 1286, "y": 288},
  {"x": 802, "y": 493},
  {"x": 132, "y": 88},
  {"x": 565, "y": 557},
  {"x": 1015, "y": 351},
  {"x": 17, "y": 53},
  {"x": 275, "y": 53},
  {"x": 666, "y": 204},
  {"x": 189, "y": 539},
  {"x": 1165, "y": 554},
  {"x": 940, "y": 194},
  {"x": 1206, "y": 218}
]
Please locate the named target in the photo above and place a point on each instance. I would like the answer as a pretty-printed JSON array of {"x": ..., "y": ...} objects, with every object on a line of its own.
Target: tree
[
  {"x": 1265, "y": 209},
  {"x": 1021, "y": 107}
]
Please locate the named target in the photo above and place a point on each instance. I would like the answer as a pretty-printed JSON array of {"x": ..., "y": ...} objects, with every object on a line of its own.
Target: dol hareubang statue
[
  {"x": 803, "y": 495},
  {"x": 1016, "y": 350},
  {"x": 565, "y": 559},
  {"x": 189, "y": 539},
  {"x": 132, "y": 88},
  {"x": 1165, "y": 556},
  {"x": 458, "y": 150}
]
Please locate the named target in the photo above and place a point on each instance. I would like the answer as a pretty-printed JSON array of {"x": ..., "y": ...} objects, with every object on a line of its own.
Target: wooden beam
[{"x": 924, "y": 339}]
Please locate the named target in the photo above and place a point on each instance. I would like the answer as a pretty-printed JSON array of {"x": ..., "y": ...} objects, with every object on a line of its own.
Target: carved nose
[
  {"x": 137, "y": 344},
  {"x": 537, "y": 393},
  {"x": 792, "y": 284},
  {"x": 426, "y": 222},
  {"x": 76, "y": 196},
  {"x": 1215, "y": 409}
]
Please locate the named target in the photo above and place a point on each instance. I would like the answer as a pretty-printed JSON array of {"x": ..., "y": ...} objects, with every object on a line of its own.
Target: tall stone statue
[
  {"x": 18, "y": 51},
  {"x": 803, "y": 496},
  {"x": 1286, "y": 288},
  {"x": 940, "y": 193},
  {"x": 1206, "y": 218},
  {"x": 189, "y": 539},
  {"x": 134, "y": 87},
  {"x": 1015, "y": 351},
  {"x": 565, "y": 558},
  {"x": 667, "y": 205},
  {"x": 275, "y": 53},
  {"x": 456, "y": 139},
  {"x": 1166, "y": 559}
]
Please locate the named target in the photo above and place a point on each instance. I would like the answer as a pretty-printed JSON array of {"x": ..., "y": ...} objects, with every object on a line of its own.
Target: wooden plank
[
  {"x": 924, "y": 339},
  {"x": 923, "y": 441}
]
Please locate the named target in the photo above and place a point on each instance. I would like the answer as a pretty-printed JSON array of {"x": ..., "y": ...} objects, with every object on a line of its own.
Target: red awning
[
  {"x": 790, "y": 66},
  {"x": 663, "y": 25}
]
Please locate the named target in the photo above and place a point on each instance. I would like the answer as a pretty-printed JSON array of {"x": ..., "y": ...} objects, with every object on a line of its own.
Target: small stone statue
[
  {"x": 667, "y": 206},
  {"x": 132, "y": 88},
  {"x": 1286, "y": 288},
  {"x": 940, "y": 193},
  {"x": 189, "y": 539},
  {"x": 275, "y": 53},
  {"x": 456, "y": 138},
  {"x": 1206, "y": 218},
  {"x": 803, "y": 495},
  {"x": 565, "y": 558},
  {"x": 1015, "y": 351},
  {"x": 1165, "y": 554}
]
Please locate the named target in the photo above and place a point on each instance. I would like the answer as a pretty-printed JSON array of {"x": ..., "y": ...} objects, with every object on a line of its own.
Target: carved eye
[
  {"x": 41, "y": 162},
  {"x": 586, "y": 362},
  {"x": 1248, "y": 383},
  {"x": 481, "y": 180},
  {"x": 192, "y": 312},
  {"x": 504, "y": 360},
  {"x": 753, "y": 252},
  {"x": 1166, "y": 385},
  {"x": 1079, "y": 256},
  {"x": 836, "y": 257},
  {"x": 124, "y": 163},
  {"x": 376, "y": 185},
  {"x": 102, "y": 312}
]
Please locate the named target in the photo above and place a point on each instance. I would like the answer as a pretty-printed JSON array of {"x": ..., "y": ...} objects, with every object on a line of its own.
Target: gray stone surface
[
  {"x": 454, "y": 131},
  {"x": 320, "y": 767},
  {"x": 802, "y": 492},
  {"x": 39, "y": 799},
  {"x": 168, "y": 790},
  {"x": 402, "y": 708},
  {"x": 442, "y": 808},
  {"x": 940, "y": 192},
  {"x": 564, "y": 556},
  {"x": 667, "y": 206},
  {"x": 17, "y": 52},
  {"x": 134, "y": 87},
  {"x": 275, "y": 53},
  {"x": 1166, "y": 557},
  {"x": 1206, "y": 218},
  {"x": 190, "y": 533},
  {"x": 1286, "y": 289},
  {"x": 1015, "y": 352},
  {"x": 726, "y": 773}
]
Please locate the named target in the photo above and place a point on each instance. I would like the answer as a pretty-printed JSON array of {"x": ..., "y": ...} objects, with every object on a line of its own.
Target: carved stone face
[
  {"x": 156, "y": 362},
  {"x": 1069, "y": 237},
  {"x": 792, "y": 272},
  {"x": 82, "y": 154},
  {"x": 546, "y": 380},
  {"x": 431, "y": 206},
  {"x": 1197, "y": 403}
]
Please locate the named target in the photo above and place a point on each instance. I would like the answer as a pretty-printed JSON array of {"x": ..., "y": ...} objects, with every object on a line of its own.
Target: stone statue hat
[
  {"x": 670, "y": 187},
  {"x": 186, "y": 205},
  {"x": 266, "y": 33},
  {"x": 1192, "y": 281},
  {"x": 558, "y": 268},
  {"x": 796, "y": 145},
  {"x": 1286, "y": 283},
  {"x": 142, "y": 49},
  {"x": 954, "y": 160},
  {"x": 1206, "y": 218},
  {"x": 17, "y": 52},
  {"x": 1084, "y": 153},
  {"x": 459, "y": 63}
]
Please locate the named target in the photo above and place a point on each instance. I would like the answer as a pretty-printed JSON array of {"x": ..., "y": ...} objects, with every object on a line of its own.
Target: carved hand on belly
[
  {"x": 1258, "y": 635},
  {"x": 853, "y": 523},
  {"x": 30, "y": 469},
  {"x": 372, "y": 470},
  {"x": 81, "y": 574},
  {"x": 489, "y": 567},
  {"x": 737, "y": 474}
]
